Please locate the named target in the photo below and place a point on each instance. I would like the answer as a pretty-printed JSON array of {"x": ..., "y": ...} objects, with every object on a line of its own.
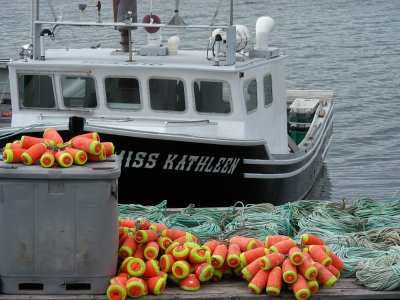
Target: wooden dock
[{"x": 228, "y": 289}]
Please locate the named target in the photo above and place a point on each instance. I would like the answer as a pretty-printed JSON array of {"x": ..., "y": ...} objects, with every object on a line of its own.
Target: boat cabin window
[
  {"x": 78, "y": 91},
  {"x": 212, "y": 96},
  {"x": 36, "y": 91},
  {"x": 250, "y": 95},
  {"x": 268, "y": 90},
  {"x": 167, "y": 94},
  {"x": 122, "y": 93}
]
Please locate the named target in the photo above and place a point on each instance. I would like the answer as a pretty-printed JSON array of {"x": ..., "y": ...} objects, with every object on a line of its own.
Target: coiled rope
[
  {"x": 382, "y": 273},
  {"x": 365, "y": 234},
  {"x": 134, "y": 211}
]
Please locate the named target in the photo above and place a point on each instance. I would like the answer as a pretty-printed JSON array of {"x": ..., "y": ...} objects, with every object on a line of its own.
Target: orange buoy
[
  {"x": 325, "y": 276},
  {"x": 181, "y": 269},
  {"x": 14, "y": 145},
  {"x": 139, "y": 252},
  {"x": 210, "y": 245},
  {"x": 198, "y": 255},
  {"x": 271, "y": 260},
  {"x": 135, "y": 267},
  {"x": 319, "y": 255},
  {"x": 180, "y": 252},
  {"x": 313, "y": 285},
  {"x": 128, "y": 247},
  {"x": 274, "y": 283},
  {"x": 64, "y": 159},
  {"x": 283, "y": 246},
  {"x": 308, "y": 270},
  {"x": 151, "y": 250},
  {"x": 90, "y": 135},
  {"x": 259, "y": 281},
  {"x": 136, "y": 287},
  {"x": 27, "y": 141},
  {"x": 90, "y": 146},
  {"x": 289, "y": 271},
  {"x": 245, "y": 243},
  {"x": 300, "y": 288},
  {"x": 164, "y": 242},
  {"x": 33, "y": 154},
  {"x": 190, "y": 283},
  {"x": 233, "y": 256},
  {"x": 158, "y": 227},
  {"x": 166, "y": 261},
  {"x": 311, "y": 239},
  {"x": 296, "y": 256},
  {"x": 219, "y": 255},
  {"x": 80, "y": 157},
  {"x": 152, "y": 268},
  {"x": 109, "y": 148},
  {"x": 12, "y": 155},
  {"x": 251, "y": 269},
  {"x": 116, "y": 291},
  {"x": 98, "y": 157},
  {"x": 156, "y": 285},
  {"x": 47, "y": 159},
  {"x": 337, "y": 262},
  {"x": 250, "y": 255},
  {"x": 121, "y": 277},
  {"x": 53, "y": 135},
  {"x": 204, "y": 271},
  {"x": 273, "y": 239},
  {"x": 144, "y": 236}
]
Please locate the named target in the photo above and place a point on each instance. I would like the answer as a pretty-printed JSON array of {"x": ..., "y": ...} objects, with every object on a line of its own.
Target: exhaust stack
[{"x": 121, "y": 9}]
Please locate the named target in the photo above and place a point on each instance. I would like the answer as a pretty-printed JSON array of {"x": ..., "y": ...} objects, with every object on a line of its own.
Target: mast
[{"x": 231, "y": 16}]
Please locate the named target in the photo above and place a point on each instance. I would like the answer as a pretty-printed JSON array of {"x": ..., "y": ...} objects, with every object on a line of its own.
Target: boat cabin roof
[{"x": 184, "y": 60}]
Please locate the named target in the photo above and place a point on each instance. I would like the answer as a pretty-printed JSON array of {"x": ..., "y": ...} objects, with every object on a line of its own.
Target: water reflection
[{"x": 322, "y": 187}]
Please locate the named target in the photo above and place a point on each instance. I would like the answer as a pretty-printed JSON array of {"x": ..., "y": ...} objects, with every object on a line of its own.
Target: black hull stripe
[{"x": 289, "y": 174}]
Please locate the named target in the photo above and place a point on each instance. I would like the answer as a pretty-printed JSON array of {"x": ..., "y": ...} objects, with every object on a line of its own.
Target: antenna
[{"x": 176, "y": 19}]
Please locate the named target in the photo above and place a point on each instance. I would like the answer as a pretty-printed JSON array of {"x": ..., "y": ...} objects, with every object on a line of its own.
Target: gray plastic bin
[{"x": 58, "y": 228}]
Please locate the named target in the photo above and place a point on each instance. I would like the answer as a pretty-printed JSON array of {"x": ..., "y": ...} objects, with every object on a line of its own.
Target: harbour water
[{"x": 350, "y": 46}]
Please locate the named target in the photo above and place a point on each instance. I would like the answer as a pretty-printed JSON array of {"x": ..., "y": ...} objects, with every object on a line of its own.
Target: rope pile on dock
[{"x": 365, "y": 234}]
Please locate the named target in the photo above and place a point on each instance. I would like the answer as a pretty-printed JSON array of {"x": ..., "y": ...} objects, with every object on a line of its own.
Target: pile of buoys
[
  {"x": 51, "y": 150},
  {"x": 150, "y": 255}
]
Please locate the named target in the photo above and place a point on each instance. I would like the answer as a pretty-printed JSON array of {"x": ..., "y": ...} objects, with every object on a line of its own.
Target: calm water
[{"x": 350, "y": 46}]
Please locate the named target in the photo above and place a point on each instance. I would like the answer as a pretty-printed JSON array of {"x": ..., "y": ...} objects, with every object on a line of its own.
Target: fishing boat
[{"x": 208, "y": 127}]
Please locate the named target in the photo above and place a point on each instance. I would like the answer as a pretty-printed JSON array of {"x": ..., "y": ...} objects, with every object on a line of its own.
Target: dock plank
[{"x": 233, "y": 290}]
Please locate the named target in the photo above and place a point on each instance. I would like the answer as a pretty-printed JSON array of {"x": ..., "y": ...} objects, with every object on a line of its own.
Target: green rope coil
[
  {"x": 134, "y": 211},
  {"x": 382, "y": 273},
  {"x": 353, "y": 256},
  {"x": 338, "y": 221},
  {"x": 204, "y": 227}
]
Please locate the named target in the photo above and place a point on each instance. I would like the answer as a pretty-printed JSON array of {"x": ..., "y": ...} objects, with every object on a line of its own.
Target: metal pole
[
  {"x": 37, "y": 10},
  {"x": 130, "y": 43},
  {"x": 32, "y": 18},
  {"x": 177, "y": 9},
  {"x": 231, "y": 19}
]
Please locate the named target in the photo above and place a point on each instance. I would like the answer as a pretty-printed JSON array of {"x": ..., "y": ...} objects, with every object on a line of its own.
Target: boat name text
[{"x": 179, "y": 162}]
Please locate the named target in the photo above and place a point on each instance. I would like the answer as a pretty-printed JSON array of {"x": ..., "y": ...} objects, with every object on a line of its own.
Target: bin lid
[
  {"x": 304, "y": 106},
  {"x": 107, "y": 169}
]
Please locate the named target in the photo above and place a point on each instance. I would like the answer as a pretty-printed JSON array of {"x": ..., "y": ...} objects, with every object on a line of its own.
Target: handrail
[{"x": 125, "y": 25}]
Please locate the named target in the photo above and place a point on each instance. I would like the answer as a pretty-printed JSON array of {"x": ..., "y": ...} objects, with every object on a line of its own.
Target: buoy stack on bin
[{"x": 50, "y": 150}]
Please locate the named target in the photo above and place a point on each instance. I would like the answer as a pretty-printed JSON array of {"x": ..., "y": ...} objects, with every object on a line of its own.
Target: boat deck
[{"x": 229, "y": 289}]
